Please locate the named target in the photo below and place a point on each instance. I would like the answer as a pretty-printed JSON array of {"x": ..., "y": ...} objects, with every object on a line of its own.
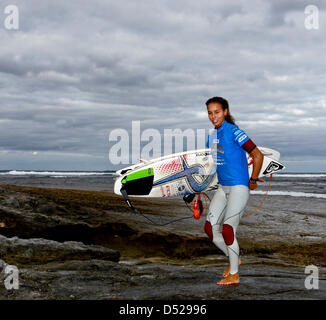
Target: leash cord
[
  {"x": 125, "y": 195},
  {"x": 270, "y": 182}
]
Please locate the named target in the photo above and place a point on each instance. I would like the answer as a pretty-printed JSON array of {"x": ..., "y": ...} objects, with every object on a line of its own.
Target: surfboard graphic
[{"x": 182, "y": 173}]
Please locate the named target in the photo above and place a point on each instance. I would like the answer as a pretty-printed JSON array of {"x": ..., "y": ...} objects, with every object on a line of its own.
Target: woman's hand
[{"x": 253, "y": 184}]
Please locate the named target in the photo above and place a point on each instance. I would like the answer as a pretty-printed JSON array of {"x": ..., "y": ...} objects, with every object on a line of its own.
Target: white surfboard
[{"x": 182, "y": 173}]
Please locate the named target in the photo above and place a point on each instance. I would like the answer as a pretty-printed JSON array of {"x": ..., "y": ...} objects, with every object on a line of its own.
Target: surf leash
[
  {"x": 188, "y": 199},
  {"x": 198, "y": 208},
  {"x": 262, "y": 202}
]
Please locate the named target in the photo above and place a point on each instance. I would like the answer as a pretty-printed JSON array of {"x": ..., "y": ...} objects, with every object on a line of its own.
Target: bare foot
[
  {"x": 227, "y": 270},
  {"x": 230, "y": 279}
]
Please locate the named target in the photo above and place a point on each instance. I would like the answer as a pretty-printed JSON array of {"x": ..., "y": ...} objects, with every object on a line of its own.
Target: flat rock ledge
[{"x": 40, "y": 251}]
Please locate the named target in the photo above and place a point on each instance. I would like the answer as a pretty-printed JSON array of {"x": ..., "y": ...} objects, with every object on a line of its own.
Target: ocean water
[
  {"x": 302, "y": 185},
  {"x": 299, "y": 191},
  {"x": 86, "y": 180}
]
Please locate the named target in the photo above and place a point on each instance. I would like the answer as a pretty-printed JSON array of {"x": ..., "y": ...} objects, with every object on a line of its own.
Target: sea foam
[
  {"x": 292, "y": 194},
  {"x": 55, "y": 173},
  {"x": 300, "y": 175}
]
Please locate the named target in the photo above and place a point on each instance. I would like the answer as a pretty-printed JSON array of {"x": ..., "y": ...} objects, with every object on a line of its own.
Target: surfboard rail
[{"x": 182, "y": 173}]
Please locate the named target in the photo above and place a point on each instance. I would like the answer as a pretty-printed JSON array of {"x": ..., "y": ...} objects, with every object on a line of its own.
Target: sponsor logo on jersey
[
  {"x": 242, "y": 138},
  {"x": 236, "y": 133}
]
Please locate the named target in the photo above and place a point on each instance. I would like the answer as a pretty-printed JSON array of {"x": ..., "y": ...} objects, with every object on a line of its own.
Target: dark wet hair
[{"x": 225, "y": 105}]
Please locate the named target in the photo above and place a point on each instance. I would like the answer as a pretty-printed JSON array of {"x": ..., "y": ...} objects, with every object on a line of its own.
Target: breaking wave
[{"x": 292, "y": 194}]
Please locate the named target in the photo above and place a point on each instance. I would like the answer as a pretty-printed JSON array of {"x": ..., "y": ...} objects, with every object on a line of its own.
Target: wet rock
[
  {"x": 31, "y": 251},
  {"x": 62, "y": 241},
  {"x": 103, "y": 280},
  {"x": 102, "y": 218},
  {"x": 74, "y": 215}
]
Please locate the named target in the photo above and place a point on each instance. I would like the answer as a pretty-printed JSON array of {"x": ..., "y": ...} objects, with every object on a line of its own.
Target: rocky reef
[{"x": 76, "y": 244}]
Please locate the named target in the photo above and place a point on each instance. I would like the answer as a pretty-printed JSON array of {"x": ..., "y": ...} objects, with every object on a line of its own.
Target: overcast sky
[{"x": 76, "y": 70}]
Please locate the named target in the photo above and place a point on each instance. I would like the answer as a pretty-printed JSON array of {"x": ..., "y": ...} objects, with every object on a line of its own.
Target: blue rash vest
[{"x": 230, "y": 158}]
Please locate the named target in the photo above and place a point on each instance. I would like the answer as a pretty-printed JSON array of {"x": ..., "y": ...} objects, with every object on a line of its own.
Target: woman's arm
[{"x": 257, "y": 158}]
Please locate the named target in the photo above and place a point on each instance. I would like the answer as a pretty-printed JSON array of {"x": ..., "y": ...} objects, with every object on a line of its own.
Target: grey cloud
[{"x": 76, "y": 70}]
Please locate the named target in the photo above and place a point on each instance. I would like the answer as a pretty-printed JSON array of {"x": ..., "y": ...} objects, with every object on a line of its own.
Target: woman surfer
[{"x": 229, "y": 145}]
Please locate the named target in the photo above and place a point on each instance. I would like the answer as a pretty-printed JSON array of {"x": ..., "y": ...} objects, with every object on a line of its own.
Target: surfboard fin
[{"x": 189, "y": 197}]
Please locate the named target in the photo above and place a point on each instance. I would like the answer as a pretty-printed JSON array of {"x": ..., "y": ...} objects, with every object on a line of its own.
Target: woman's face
[{"x": 216, "y": 114}]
